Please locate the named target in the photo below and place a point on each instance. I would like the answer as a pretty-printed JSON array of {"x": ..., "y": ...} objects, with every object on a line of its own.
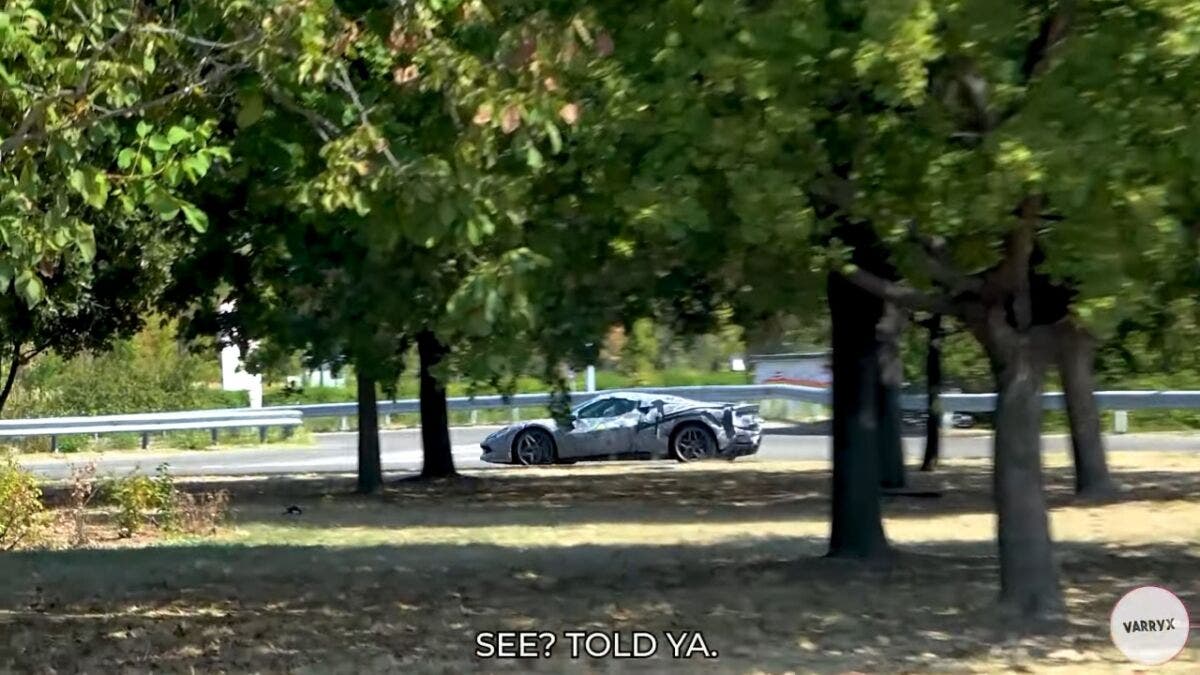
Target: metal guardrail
[
  {"x": 293, "y": 415},
  {"x": 1108, "y": 400},
  {"x": 147, "y": 423}
]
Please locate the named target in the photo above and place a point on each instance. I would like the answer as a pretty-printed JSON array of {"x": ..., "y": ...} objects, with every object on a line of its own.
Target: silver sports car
[{"x": 631, "y": 425}]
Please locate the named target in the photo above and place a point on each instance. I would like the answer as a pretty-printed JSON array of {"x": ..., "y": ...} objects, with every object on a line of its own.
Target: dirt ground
[{"x": 403, "y": 582}]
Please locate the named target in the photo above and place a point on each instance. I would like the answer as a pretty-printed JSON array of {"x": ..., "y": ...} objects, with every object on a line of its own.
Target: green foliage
[
  {"x": 21, "y": 508},
  {"x": 143, "y": 499},
  {"x": 147, "y": 373},
  {"x": 100, "y": 139}
]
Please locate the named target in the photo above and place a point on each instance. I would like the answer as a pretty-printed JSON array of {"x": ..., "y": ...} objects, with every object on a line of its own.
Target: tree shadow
[
  {"x": 770, "y": 604},
  {"x": 715, "y": 493}
]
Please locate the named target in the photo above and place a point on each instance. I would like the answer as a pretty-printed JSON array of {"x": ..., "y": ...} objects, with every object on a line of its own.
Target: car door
[{"x": 603, "y": 428}]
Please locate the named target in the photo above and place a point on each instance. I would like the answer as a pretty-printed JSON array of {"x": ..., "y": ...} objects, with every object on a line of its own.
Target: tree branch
[
  {"x": 324, "y": 126},
  {"x": 933, "y": 257},
  {"x": 211, "y": 44},
  {"x": 13, "y": 365},
  {"x": 900, "y": 293},
  {"x": 342, "y": 80}
]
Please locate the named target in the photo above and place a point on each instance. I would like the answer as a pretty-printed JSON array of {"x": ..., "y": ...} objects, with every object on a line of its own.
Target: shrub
[
  {"x": 21, "y": 510},
  {"x": 83, "y": 490},
  {"x": 200, "y": 513},
  {"x": 141, "y": 499}
]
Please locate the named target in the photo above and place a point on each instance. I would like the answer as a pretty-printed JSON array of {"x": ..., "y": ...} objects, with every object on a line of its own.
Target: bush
[
  {"x": 83, "y": 490},
  {"x": 21, "y": 510},
  {"x": 142, "y": 499},
  {"x": 200, "y": 513}
]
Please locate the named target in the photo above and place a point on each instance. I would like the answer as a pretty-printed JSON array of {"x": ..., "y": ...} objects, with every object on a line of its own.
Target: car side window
[
  {"x": 594, "y": 409},
  {"x": 620, "y": 406}
]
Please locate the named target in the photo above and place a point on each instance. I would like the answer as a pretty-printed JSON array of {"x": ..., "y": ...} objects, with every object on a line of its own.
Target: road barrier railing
[
  {"x": 148, "y": 423},
  {"x": 291, "y": 416},
  {"x": 1120, "y": 401}
]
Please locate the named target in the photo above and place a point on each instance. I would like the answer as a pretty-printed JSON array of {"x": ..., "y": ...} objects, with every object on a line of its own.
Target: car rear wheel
[
  {"x": 534, "y": 446},
  {"x": 693, "y": 442}
]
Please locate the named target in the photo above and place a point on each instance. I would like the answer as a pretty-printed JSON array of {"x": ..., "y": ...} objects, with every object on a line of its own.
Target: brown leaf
[
  {"x": 569, "y": 113},
  {"x": 406, "y": 74},
  {"x": 510, "y": 119},
  {"x": 483, "y": 114},
  {"x": 604, "y": 44}
]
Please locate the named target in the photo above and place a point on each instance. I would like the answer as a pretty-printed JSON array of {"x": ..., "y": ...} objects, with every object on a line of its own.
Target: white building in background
[
  {"x": 235, "y": 378},
  {"x": 233, "y": 371}
]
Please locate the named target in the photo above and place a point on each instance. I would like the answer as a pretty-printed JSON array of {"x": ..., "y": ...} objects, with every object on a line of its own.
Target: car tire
[
  {"x": 693, "y": 442},
  {"x": 523, "y": 447}
]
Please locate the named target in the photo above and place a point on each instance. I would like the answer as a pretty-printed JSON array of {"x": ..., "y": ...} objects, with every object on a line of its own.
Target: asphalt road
[{"x": 402, "y": 453}]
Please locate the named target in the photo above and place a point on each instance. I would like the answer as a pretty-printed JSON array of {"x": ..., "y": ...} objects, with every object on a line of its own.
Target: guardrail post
[
  {"x": 212, "y": 433},
  {"x": 1120, "y": 421},
  {"x": 344, "y": 424},
  {"x": 145, "y": 440},
  {"x": 474, "y": 416},
  {"x": 262, "y": 434},
  {"x": 387, "y": 420},
  {"x": 516, "y": 415},
  {"x": 53, "y": 443}
]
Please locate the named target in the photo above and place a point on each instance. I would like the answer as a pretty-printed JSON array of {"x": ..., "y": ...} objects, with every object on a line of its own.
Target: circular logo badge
[{"x": 1149, "y": 625}]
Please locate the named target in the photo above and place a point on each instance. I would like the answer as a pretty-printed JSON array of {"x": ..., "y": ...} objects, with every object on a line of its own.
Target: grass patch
[{"x": 403, "y": 580}]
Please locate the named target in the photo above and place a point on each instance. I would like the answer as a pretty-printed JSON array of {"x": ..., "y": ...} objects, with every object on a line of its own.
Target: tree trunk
[
  {"x": 1075, "y": 352},
  {"x": 13, "y": 366},
  {"x": 435, "y": 423},
  {"x": 1028, "y": 575},
  {"x": 891, "y": 377},
  {"x": 933, "y": 387},
  {"x": 857, "y": 524},
  {"x": 370, "y": 470}
]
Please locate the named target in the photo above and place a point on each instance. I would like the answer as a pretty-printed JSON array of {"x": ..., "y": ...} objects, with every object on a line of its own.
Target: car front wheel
[{"x": 534, "y": 446}]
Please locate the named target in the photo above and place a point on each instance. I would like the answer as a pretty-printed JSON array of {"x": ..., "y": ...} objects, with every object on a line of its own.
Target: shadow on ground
[
  {"x": 772, "y": 605},
  {"x": 649, "y": 493}
]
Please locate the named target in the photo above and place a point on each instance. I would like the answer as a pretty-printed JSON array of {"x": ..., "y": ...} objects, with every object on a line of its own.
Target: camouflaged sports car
[{"x": 631, "y": 425}]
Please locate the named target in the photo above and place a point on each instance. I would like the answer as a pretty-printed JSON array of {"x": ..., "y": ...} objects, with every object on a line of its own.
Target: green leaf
[
  {"x": 159, "y": 142},
  {"x": 144, "y": 129},
  {"x": 125, "y": 158},
  {"x": 30, "y": 288},
  {"x": 87, "y": 243},
  {"x": 163, "y": 204},
  {"x": 6, "y": 275},
  {"x": 195, "y": 217},
  {"x": 175, "y": 136},
  {"x": 555, "y": 137},
  {"x": 78, "y": 181},
  {"x": 533, "y": 158},
  {"x": 197, "y": 165},
  {"x": 251, "y": 109},
  {"x": 90, "y": 183}
]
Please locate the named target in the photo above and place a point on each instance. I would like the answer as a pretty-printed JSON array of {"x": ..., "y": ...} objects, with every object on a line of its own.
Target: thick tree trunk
[
  {"x": 1075, "y": 352},
  {"x": 933, "y": 386},
  {"x": 891, "y": 377},
  {"x": 1028, "y": 575},
  {"x": 435, "y": 423},
  {"x": 13, "y": 366},
  {"x": 857, "y": 524},
  {"x": 370, "y": 471}
]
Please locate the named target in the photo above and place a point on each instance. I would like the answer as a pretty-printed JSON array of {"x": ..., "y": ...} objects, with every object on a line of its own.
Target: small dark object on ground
[{"x": 293, "y": 510}]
